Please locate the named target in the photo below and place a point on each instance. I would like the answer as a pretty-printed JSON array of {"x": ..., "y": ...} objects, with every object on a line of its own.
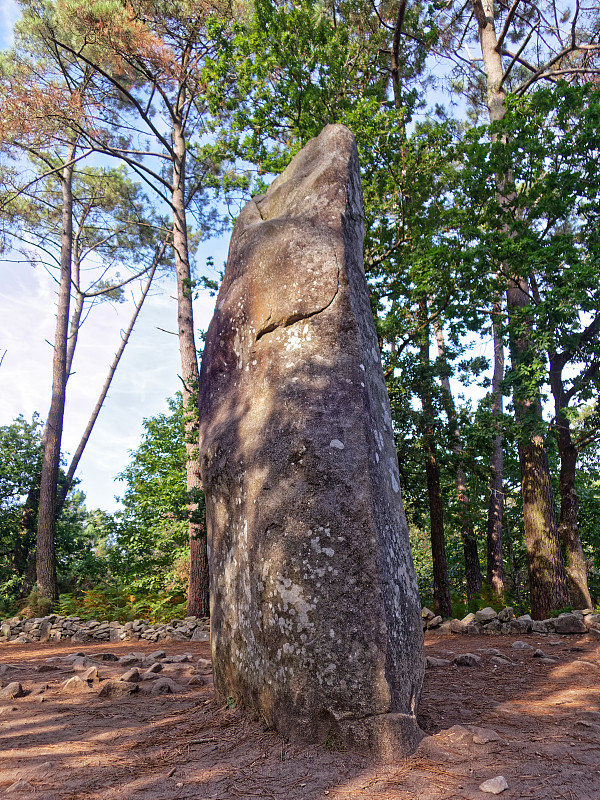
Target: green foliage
[{"x": 122, "y": 604}]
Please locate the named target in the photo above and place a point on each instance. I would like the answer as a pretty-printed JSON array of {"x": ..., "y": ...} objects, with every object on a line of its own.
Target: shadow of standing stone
[{"x": 315, "y": 615}]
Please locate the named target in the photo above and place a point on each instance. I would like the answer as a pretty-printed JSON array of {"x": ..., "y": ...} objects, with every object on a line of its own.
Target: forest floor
[{"x": 540, "y": 721}]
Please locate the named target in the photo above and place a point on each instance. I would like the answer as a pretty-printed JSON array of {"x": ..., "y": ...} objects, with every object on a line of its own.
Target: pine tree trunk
[
  {"x": 467, "y": 533},
  {"x": 568, "y": 528},
  {"x": 547, "y": 577},
  {"x": 198, "y": 599},
  {"x": 495, "y": 567},
  {"x": 577, "y": 571},
  {"x": 441, "y": 585},
  {"x": 45, "y": 557}
]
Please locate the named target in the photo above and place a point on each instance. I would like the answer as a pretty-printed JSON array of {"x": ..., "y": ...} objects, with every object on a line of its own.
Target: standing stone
[{"x": 315, "y": 615}]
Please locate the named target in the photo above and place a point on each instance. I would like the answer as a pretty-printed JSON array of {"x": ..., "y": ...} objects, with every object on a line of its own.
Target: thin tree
[{"x": 153, "y": 56}]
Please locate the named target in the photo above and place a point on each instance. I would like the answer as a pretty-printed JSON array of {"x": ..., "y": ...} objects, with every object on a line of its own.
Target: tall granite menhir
[{"x": 315, "y": 615}]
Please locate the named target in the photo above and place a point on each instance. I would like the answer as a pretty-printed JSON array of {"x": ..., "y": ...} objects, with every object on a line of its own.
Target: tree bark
[
  {"x": 568, "y": 530},
  {"x": 495, "y": 567},
  {"x": 547, "y": 578},
  {"x": 442, "y": 604},
  {"x": 45, "y": 558},
  {"x": 198, "y": 597},
  {"x": 467, "y": 533}
]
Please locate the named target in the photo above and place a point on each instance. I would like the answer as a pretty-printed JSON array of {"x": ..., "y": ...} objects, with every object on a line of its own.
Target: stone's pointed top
[{"x": 315, "y": 181}]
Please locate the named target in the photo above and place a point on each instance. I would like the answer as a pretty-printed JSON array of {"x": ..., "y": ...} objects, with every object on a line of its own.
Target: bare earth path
[{"x": 540, "y": 721}]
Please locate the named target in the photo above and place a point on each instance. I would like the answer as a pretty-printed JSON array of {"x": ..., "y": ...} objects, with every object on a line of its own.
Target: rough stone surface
[
  {"x": 569, "y": 623},
  {"x": 75, "y": 685},
  {"x": 494, "y": 785},
  {"x": 315, "y": 617},
  {"x": 11, "y": 691},
  {"x": 485, "y": 615},
  {"x": 116, "y": 688},
  {"x": 466, "y": 660}
]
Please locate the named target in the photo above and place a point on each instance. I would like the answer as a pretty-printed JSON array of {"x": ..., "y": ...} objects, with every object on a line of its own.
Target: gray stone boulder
[
  {"x": 569, "y": 623},
  {"x": 506, "y": 614},
  {"x": 466, "y": 660},
  {"x": 117, "y": 688},
  {"x": 315, "y": 616},
  {"x": 11, "y": 691},
  {"x": 485, "y": 615}
]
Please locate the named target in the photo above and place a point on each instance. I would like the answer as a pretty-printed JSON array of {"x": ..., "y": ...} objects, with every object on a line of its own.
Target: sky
[{"x": 147, "y": 375}]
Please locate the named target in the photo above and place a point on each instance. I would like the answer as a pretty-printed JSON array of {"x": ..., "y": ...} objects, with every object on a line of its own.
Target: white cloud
[
  {"x": 147, "y": 374},
  {"x": 9, "y": 14}
]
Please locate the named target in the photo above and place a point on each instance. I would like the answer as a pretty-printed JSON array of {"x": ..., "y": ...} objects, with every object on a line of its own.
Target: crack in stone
[{"x": 287, "y": 321}]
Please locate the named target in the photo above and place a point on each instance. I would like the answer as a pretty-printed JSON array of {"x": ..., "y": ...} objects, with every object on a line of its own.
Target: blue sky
[{"x": 146, "y": 377}]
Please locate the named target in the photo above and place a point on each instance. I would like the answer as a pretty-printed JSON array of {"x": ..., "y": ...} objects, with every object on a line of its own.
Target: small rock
[
  {"x": 539, "y": 654},
  {"x": 197, "y": 680},
  {"x": 431, "y": 661},
  {"x": 19, "y": 786},
  {"x": 129, "y": 660},
  {"x": 165, "y": 686},
  {"x": 475, "y": 628},
  {"x": 456, "y": 626},
  {"x": 485, "y": 735},
  {"x": 500, "y": 661},
  {"x": 73, "y": 656},
  {"x": 506, "y": 614},
  {"x": 90, "y": 674},
  {"x": 46, "y": 668},
  {"x": 75, "y": 685},
  {"x": 539, "y": 627},
  {"x": 182, "y": 659},
  {"x": 39, "y": 689},
  {"x": 115, "y": 688},
  {"x": 494, "y": 785},
  {"x": 548, "y": 660},
  {"x": 492, "y": 651},
  {"x": 131, "y": 676},
  {"x": 569, "y": 623},
  {"x": 485, "y": 615},
  {"x": 204, "y": 664},
  {"x": 434, "y": 623},
  {"x": 468, "y": 619},
  {"x": 591, "y": 620},
  {"x": 519, "y": 645},
  {"x": 154, "y": 669},
  {"x": 81, "y": 664},
  {"x": 11, "y": 691},
  {"x": 466, "y": 660},
  {"x": 157, "y": 655},
  {"x": 200, "y": 636},
  {"x": 106, "y": 657},
  {"x": 426, "y": 613}
]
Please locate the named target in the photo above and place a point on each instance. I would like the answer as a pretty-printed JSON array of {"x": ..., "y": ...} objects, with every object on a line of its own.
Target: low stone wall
[
  {"x": 55, "y": 628},
  {"x": 488, "y": 621}
]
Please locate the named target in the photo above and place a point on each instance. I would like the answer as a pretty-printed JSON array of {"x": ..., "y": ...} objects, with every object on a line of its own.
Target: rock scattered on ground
[{"x": 494, "y": 785}]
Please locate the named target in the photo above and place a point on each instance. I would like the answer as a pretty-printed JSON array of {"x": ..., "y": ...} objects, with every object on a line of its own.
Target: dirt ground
[{"x": 537, "y": 724}]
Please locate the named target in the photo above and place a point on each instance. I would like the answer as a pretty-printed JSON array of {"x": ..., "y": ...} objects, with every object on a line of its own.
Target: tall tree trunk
[
  {"x": 547, "y": 577},
  {"x": 568, "y": 530},
  {"x": 198, "y": 598},
  {"x": 495, "y": 567},
  {"x": 442, "y": 604},
  {"x": 469, "y": 540},
  {"x": 46, "y": 562}
]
